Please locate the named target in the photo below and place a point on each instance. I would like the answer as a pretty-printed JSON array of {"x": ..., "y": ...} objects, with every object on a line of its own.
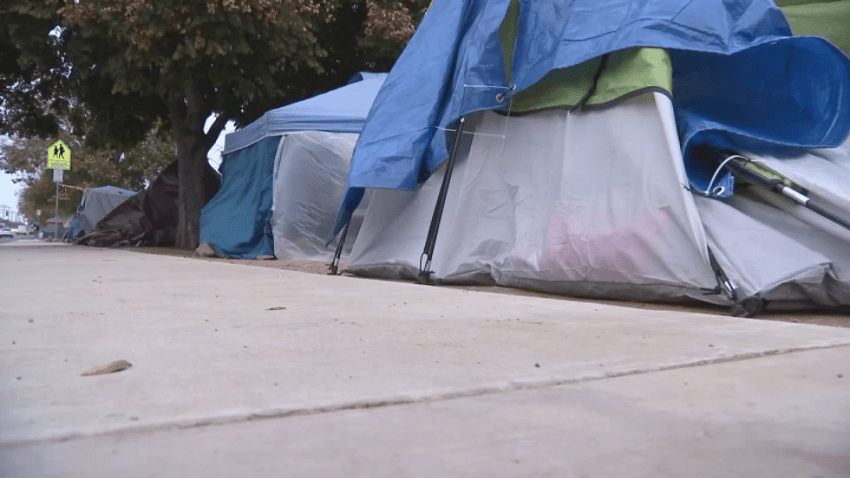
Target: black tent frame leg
[
  {"x": 334, "y": 267},
  {"x": 741, "y": 307},
  {"x": 428, "y": 252}
]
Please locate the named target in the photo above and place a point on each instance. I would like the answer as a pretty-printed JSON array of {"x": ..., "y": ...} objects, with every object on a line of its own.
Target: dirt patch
[
  {"x": 310, "y": 267},
  {"x": 832, "y": 319}
]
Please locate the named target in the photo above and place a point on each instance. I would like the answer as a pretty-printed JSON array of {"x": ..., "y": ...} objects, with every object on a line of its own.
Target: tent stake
[{"x": 428, "y": 253}]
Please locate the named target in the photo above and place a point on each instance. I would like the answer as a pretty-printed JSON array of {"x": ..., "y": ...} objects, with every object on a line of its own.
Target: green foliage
[
  {"x": 32, "y": 73},
  {"x": 123, "y": 59},
  {"x": 130, "y": 63}
]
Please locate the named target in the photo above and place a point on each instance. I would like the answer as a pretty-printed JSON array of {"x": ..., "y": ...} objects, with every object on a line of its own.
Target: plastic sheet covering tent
[
  {"x": 311, "y": 169},
  {"x": 619, "y": 188},
  {"x": 258, "y": 169},
  {"x": 528, "y": 209},
  {"x": 94, "y": 205}
]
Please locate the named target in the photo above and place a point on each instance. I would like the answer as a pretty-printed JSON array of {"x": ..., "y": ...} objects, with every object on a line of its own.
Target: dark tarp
[
  {"x": 95, "y": 204},
  {"x": 150, "y": 217}
]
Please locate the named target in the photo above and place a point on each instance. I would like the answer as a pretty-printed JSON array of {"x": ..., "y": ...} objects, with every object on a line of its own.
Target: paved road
[
  {"x": 244, "y": 371},
  {"x": 7, "y": 240}
]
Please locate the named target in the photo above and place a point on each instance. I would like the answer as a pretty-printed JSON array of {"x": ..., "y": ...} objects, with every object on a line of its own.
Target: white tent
[{"x": 597, "y": 203}]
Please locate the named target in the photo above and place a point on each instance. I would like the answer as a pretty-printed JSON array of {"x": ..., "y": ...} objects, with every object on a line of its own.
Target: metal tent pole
[
  {"x": 334, "y": 267},
  {"x": 428, "y": 253},
  {"x": 762, "y": 175}
]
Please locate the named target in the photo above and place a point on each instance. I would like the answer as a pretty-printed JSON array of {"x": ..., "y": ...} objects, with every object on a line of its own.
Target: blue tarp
[
  {"x": 236, "y": 220},
  {"x": 342, "y": 110},
  {"x": 739, "y": 79}
]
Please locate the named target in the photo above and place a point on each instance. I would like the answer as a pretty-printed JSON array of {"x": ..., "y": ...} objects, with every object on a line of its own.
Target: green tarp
[
  {"x": 830, "y": 20},
  {"x": 624, "y": 73}
]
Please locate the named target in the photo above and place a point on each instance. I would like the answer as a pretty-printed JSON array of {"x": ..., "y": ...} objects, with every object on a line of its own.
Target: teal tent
[{"x": 237, "y": 222}]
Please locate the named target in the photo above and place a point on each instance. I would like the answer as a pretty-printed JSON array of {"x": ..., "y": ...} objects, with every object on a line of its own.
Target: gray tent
[
  {"x": 95, "y": 204},
  {"x": 595, "y": 205},
  {"x": 542, "y": 145}
]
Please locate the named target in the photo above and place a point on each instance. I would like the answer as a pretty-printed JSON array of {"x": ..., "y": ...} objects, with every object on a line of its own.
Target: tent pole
[
  {"x": 334, "y": 268},
  {"x": 428, "y": 253},
  {"x": 760, "y": 174}
]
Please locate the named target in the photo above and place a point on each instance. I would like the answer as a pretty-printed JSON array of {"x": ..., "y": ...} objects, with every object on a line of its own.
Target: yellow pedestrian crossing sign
[{"x": 59, "y": 156}]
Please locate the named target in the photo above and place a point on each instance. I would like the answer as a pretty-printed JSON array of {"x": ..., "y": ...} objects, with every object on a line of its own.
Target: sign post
[
  {"x": 58, "y": 159},
  {"x": 56, "y": 201}
]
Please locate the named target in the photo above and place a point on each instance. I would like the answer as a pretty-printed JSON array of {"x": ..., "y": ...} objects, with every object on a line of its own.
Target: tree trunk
[
  {"x": 188, "y": 115},
  {"x": 191, "y": 160}
]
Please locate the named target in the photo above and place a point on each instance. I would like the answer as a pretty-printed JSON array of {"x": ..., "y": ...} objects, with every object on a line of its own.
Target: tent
[
  {"x": 94, "y": 205},
  {"x": 284, "y": 176},
  {"x": 149, "y": 218},
  {"x": 614, "y": 157}
]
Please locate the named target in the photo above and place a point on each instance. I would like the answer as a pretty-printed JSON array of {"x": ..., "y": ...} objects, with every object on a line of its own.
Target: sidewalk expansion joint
[{"x": 486, "y": 390}]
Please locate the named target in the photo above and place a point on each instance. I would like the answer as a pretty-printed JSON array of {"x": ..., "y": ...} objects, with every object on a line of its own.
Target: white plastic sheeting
[
  {"x": 595, "y": 204},
  {"x": 311, "y": 170},
  {"x": 591, "y": 203}
]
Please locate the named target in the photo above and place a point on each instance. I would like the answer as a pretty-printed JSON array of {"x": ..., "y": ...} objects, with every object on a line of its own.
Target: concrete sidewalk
[{"x": 245, "y": 371}]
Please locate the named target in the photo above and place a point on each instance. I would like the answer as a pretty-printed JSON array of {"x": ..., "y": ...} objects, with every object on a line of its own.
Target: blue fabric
[
  {"x": 786, "y": 94},
  {"x": 738, "y": 72},
  {"x": 342, "y": 110},
  {"x": 237, "y": 220}
]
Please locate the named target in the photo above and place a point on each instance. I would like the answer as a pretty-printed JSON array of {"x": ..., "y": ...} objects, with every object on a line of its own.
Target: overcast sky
[{"x": 8, "y": 190}]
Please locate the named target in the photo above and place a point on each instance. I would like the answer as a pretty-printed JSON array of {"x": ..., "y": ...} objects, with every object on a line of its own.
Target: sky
[{"x": 8, "y": 190}]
